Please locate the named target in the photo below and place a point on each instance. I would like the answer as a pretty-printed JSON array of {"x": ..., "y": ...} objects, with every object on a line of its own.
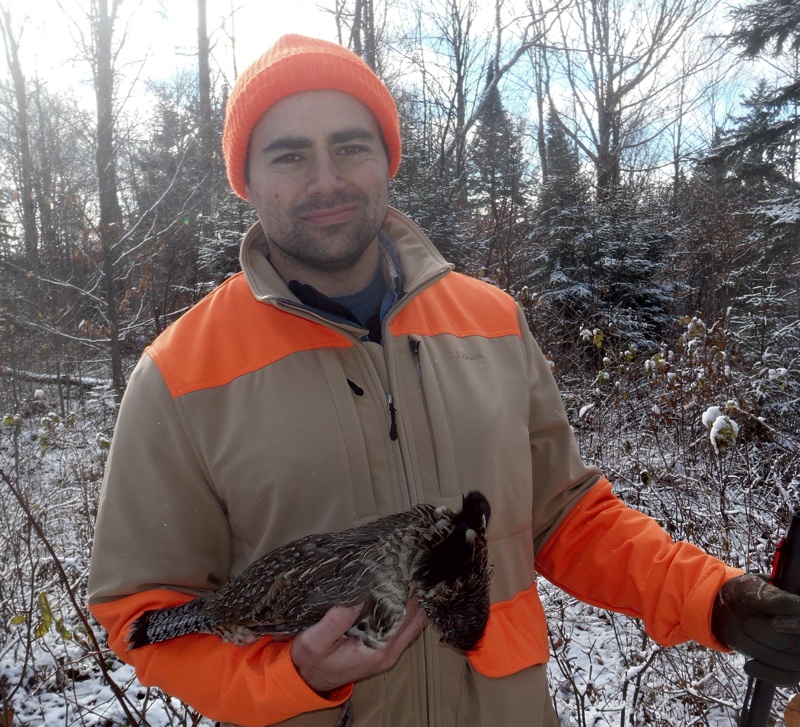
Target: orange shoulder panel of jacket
[
  {"x": 459, "y": 305},
  {"x": 515, "y": 637},
  {"x": 230, "y": 333},
  {"x": 615, "y": 557},
  {"x": 251, "y": 685}
]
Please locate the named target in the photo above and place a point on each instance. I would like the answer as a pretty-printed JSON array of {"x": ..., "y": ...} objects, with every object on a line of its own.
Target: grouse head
[{"x": 453, "y": 577}]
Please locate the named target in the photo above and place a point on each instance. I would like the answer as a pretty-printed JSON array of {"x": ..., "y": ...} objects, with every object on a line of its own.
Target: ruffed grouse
[{"x": 433, "y": 553}]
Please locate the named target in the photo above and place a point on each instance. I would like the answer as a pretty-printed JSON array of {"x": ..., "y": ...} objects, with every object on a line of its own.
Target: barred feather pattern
[{"x": 434, "y": 553}]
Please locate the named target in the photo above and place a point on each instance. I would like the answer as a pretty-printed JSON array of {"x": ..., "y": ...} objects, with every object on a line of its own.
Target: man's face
[{"x": 318, "y": 178}]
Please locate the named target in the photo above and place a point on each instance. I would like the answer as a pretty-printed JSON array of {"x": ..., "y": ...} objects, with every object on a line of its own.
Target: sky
[
  {"x": 161, "y": 39},
  {"x": 162, "y": 34}
]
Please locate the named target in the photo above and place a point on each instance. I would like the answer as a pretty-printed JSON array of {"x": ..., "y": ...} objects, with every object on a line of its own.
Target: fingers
[
  {"x": 776, "y": 602},
  {"x": 327, "y": 661},
  {"x": 412, "y": 626},
  {"x": 763, "y": 623},
  {"x": 752, "y": 591},
  {"x": 772, "y": 674},
  {"x": 786, "y": 624},
  {"x": 325, "y": 635},
  {"x": 335, "y": 623},
  {"x": 762, "y": 631}
]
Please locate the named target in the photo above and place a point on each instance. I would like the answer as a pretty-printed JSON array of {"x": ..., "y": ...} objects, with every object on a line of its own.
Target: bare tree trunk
[
  {"x": 44, "y": 187},
  {"x": 363, "y": 40},
  {"x": 538, "y": 66},
  {"x": 207, "y": 140},
  {"x": 20, "y": 118},
  {"x": 368, "y": 23},
  {"x": 204, "y": 84},
  {"x": 355, "y": 31},
  {"x": 338, "y": 12},
  {"x": 110, "y": 229}
]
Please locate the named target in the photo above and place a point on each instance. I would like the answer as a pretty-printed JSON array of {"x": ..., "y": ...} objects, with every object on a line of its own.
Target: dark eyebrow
[
  {"x": 296, "y": 143},
  {"x": 287, "y": 143},
  {"x": 354, "y": 134}
]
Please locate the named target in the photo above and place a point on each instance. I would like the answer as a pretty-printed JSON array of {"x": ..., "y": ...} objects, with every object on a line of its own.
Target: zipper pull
[
  {"x": 392, "y": 413},
  {"x": 357, "y": 390}
]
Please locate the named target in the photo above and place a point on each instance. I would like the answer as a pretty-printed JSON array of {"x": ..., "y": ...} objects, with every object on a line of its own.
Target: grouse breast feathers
[{"x": 434, "y": 553}]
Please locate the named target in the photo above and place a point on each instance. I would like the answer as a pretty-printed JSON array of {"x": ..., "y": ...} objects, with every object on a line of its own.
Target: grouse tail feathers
[{"x": 167, "y": 623}]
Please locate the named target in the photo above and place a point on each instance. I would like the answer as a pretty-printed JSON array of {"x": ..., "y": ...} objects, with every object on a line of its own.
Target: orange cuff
[{"x": 252, "y": 685}]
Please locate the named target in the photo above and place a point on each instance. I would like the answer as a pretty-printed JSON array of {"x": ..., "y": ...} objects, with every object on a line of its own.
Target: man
[{"x": 346, "y": 374}]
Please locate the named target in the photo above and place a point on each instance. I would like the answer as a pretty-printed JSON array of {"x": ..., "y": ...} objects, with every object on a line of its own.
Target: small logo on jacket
[{"x": 464, "y": 355}]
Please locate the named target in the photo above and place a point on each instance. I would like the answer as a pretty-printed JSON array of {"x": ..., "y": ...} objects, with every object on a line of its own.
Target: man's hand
[
  {"x": 763, "y": 623},
  {"x": 326, "y": 660}
]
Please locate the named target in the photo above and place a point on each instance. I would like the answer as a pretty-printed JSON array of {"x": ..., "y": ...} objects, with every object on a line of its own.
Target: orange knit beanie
[{"x": 295, "y": 64}]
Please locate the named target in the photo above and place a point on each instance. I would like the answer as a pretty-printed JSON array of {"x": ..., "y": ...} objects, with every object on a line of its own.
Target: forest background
[{"x": 626, "y": 169}]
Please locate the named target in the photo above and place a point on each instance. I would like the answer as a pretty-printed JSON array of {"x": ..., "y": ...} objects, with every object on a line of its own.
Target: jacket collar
[{"x": 410, "y": 261}]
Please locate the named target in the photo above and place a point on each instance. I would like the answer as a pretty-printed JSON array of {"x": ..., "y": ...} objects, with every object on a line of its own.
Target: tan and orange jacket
[{"x": 254, "y": 420}]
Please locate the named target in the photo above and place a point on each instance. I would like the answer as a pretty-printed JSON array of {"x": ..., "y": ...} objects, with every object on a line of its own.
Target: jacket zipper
[
  {"x": 413, "y": 345},
  {"x": 427, "y": 644},
  {"x": 393, "y": 417},
  {"x": 390, "y": 407}
]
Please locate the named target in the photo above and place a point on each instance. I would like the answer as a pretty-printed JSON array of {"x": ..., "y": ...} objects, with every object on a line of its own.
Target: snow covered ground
[
  {"x": 605, "y": 672},
  {"x": 692, "y": 456}
]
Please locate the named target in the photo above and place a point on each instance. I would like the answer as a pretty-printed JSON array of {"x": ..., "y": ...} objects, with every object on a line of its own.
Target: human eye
[
  {"x": 288, "y": 159},
  {"x": 286, "y": 151},
  {"x": 354, "y": 150},
  {"x": 349, "y": 150}
]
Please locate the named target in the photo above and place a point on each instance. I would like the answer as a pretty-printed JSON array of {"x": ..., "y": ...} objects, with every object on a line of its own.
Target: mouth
[{"x": 332, "y": 216}]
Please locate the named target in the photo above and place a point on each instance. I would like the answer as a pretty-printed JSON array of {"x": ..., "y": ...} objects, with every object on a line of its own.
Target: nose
[{"x": 325, "y": 177}]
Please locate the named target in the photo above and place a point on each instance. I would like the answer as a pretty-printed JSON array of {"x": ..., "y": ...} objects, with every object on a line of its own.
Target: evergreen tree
[
  {"x": 599, "y": 263},
  {"x": 496, "y": 157},
  {"x": 752, "y": 249},
  {"x": 759, "y": 170},
  {"x": 423, "y": 188},
  {"x": 768, "y": 27},
  {"x": 758, "y": 156},
  {"x": 714, "y": 233},
  {"x": 764, "y": 25},
  {"x": 496, "y": 191},
  {"x": 603, "y": 266},
  {"x": 563, "y": 187},
  {"x": 562, "y": 216}
]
